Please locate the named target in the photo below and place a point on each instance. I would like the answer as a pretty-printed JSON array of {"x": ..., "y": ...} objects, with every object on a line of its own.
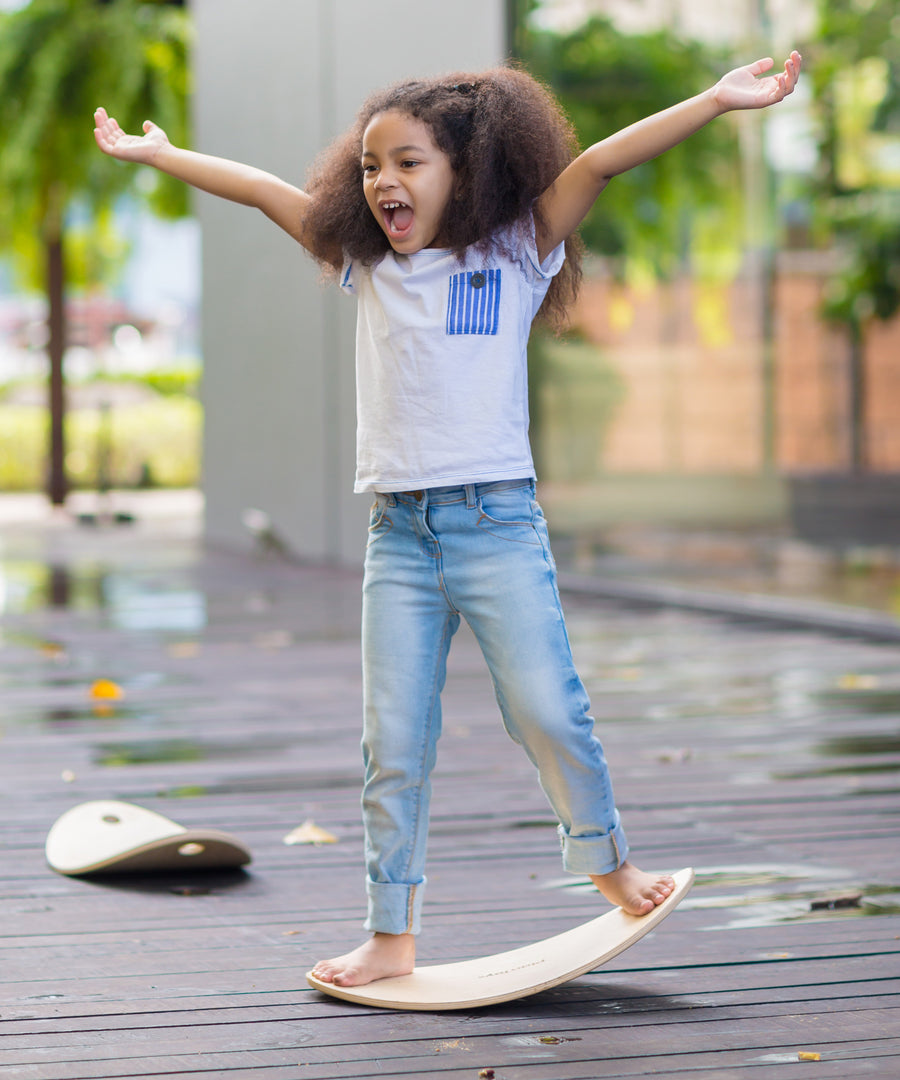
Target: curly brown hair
[{"x": 507, "y": 140}]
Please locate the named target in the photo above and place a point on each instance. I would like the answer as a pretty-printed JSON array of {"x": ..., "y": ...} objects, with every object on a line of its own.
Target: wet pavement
[{"x": 146, "y": 607}]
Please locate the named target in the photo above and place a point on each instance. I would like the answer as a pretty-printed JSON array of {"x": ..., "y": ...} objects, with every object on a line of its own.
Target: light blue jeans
[{"x": 480, "y": 552}]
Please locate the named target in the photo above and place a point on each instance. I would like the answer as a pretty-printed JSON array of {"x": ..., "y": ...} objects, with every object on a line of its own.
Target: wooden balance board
[
  {"x": 107, "y": 836},
  {"x": 506, "y": 976}
]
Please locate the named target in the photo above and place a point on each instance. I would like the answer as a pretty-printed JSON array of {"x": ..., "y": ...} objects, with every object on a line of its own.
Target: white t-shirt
[{"x": 441, "y": 364}]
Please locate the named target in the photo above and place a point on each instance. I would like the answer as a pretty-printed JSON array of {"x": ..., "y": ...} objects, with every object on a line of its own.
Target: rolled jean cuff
[
  {"x": 394, "y": 909},
  {"x": 597, "y": 854}
]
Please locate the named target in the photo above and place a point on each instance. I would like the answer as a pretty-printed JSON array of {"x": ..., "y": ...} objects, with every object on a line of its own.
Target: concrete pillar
[{"x": 275, "y": 80}]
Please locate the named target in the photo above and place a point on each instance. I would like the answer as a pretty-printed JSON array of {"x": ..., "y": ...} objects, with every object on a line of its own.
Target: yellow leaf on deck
[
  {"x": 808, "y": 1055},
  {"x": 310, "y": 833},
  {"x": 853, "y": 681},
  {"x": 107, "y": 690},
  {"x": 183, "y": 650}
]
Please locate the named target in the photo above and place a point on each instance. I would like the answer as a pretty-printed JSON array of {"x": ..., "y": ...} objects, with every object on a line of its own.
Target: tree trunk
[
  {"x": 857, "y": 435},
  {"x": 57, "y": 484}
]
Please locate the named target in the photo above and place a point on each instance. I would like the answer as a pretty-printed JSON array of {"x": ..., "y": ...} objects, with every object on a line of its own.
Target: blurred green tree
[
  {"x": 684, "y": 206},
  {"x": 855, "y": 71},
  {"x": 682, "y": 211},
  {"x": 59, "y": 60}
]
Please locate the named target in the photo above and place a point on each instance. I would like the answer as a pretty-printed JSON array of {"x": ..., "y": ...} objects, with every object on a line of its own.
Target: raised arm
[
  {"x": 566, "y": 202},
  {"x": 281, "y": 202}
]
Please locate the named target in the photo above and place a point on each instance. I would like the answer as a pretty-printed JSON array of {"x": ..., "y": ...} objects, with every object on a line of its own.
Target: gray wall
[{"x": 275, "y": 80}]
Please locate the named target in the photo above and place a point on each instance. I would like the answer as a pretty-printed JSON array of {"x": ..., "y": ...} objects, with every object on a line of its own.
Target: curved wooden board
[
  {"x": 107, "y": 836},
  {"x": 490, "y": 980}
]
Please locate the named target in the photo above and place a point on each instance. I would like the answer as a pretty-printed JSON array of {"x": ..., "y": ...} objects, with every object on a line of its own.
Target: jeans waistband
[{"x": 467, "y": 493}]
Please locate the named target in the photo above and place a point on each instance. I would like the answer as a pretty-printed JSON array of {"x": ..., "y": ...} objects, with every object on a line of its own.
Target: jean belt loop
[
  {"x": 470, "y": 497},
  {"x": 390, "y": 498}
]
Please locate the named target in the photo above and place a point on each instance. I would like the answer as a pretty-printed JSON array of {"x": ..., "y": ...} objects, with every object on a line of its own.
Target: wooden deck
[{"x": 766, "y": 758}]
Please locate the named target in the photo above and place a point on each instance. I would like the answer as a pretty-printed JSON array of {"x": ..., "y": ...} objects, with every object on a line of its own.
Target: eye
[{"x": 408, "y": 164}]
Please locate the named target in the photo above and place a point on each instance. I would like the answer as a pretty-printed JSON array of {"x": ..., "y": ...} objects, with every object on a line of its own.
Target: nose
[{"x": 385, "y": 180}]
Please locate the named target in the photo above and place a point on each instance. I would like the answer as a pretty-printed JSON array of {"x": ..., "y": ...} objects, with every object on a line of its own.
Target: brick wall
[{"x": 692, "y": 361}]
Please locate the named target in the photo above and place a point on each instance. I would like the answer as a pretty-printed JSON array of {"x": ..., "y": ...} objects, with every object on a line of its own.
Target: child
[{"x": 449, "y": 210}]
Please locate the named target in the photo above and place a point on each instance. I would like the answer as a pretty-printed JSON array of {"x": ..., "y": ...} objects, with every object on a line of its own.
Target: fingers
[
  {"x": 783, "y": 82},
  {"x": 792, "y": 67},
  {"x": 105, "y": 126},
  {"x": 761, "y": 65},
  {"x": 787, "y": 80},
  {"x": 101, "y": 129}
]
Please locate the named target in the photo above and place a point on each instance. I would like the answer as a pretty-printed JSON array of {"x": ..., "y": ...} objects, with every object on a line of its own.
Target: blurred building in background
[
  {"x": 275, "y": 82},
  {"x": 734, "y": 404},
  {"x": 724, "y": 402}
]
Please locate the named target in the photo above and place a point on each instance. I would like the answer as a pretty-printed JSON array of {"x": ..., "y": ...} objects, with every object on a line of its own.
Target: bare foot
[
  {"x": 381, "y": 957},
  {"x": 633, "y": 890}
]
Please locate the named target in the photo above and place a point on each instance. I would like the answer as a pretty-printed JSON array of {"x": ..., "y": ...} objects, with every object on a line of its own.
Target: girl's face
[{"x": 407, "y": 180}]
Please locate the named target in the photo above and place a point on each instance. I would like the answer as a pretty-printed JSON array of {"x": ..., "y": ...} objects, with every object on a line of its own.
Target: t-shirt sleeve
[
  {"x": 552, "y": 265},
  {"x": 540, "y": 272}
]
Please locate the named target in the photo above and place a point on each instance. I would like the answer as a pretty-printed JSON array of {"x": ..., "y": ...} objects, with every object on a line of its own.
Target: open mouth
[{"x": 398, "y": 218}]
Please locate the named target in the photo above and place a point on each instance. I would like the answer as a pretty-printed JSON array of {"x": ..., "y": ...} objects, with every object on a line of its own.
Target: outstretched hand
[
  {"x": 743, "y": 89},
  {"x": 114, "y": 141}
]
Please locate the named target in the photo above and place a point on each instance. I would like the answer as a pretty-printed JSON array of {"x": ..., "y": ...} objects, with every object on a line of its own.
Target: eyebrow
[{"x": 410, "y": 148}]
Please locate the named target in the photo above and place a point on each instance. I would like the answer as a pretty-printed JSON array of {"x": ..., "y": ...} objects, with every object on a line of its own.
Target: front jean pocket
[
  {"x": 509, "y": 514},
  {"x": 379, "y": 521}
]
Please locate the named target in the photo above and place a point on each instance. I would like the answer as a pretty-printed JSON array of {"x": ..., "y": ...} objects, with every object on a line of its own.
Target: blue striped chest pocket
[{"x": 473, "y": 305}]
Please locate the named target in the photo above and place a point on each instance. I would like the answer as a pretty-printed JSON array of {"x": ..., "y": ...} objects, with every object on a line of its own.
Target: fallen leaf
[
  {"x": 183, "y": 650},
  {"x": 107, "y": 690},
  {"x": 682, "y": 754},
  {"x": 310, "y": 833},
  {"x": 854, "y": 681},
  {"x": 454, "y": 1044},
  {"x": 808, "y": 1055}
]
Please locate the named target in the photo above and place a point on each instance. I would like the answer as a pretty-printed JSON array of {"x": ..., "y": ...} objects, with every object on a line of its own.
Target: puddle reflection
[
  {"x": 173, "y": 751},
  {"x": 132, "y": 601},
  {"x": 30, "y": 585},
  {"x": 817, "y": 896},
  {"x": 760, "y": 895},
  {"x": 863, "y": 752},
  {"x": 851, "y": 745}
]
